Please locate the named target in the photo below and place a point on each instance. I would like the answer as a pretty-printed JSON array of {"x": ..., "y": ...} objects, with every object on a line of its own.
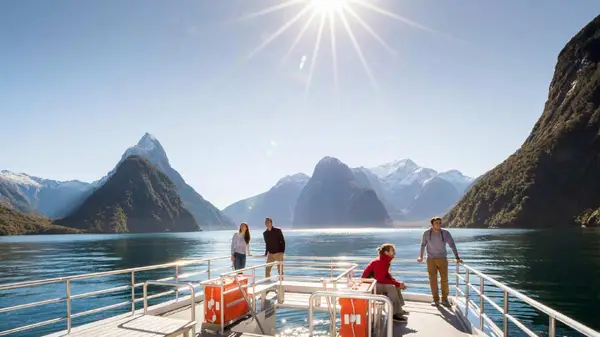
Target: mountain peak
[
  {"x": 137, "y": 198},
  {"x": 150, "y": 148},
  {"x": 147, "y": 138},
  {"x": 148, "y": 142},
  {"x": 19, "y": 178},
  {"x": 329, "y": 161},
  {"x": 403, "y": 165},
  {"x": 300, "y": 178},
  {"x": 332, "y": 167}
]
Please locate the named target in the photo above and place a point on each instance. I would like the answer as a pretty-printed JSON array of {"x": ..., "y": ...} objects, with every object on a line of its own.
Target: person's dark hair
[
  {"x": 269, "y": 220},
  {"x": 386, "y": 247},
  {"x": 435, "y": 218},
  {"x": 247, "y": 234}
]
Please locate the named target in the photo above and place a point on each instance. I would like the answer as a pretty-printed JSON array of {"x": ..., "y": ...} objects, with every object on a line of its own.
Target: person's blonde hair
[{"x": 385, "y": 248}]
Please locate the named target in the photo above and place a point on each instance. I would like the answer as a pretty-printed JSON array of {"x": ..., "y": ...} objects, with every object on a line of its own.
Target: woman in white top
[{"x": 240, "y": 247}]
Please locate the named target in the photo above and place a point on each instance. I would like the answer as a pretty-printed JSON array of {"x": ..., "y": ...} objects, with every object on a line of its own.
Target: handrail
[
  {"x": 345, "y": 273},
  {"x": 553, "y": 314},
  {"x": 350, "y": 295},
  {"x": 68, "y": 279},
  {"x": 334, "y": 263},
  {"x": 107, "y": 273},
  {"x": 177, "y": 285},
  {"x": 234, "y": 272}
]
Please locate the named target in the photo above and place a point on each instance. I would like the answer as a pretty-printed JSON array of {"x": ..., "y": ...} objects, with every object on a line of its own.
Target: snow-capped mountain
[
  {"x": 456, "y": 178},
  {"x": 206, "y": 214},
  {"x": 406, "y": 172},
  {"x": 31, "y": 194},
  {"x": 148, "y": 147},
  {"x": 403, "y": 181},
  {"x": 298, "y": 179},
  {"x": 399, "y": 168}
]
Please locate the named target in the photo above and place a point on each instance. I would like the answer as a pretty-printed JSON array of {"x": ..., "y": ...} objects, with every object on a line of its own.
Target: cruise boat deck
[{"x": 247, "y": 302}]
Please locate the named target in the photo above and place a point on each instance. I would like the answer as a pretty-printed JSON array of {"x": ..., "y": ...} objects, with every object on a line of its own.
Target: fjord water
[{"x": 559, "y": 268}]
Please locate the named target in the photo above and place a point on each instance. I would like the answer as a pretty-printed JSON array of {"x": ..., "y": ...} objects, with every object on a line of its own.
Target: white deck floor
[
  {"x": 423, "y": 320},
  {"x": 426, "y": 320},
  {"x": 135, "y": 326}
]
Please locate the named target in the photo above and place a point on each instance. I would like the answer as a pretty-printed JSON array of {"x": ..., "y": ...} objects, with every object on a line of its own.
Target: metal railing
[
  {"x": 365, "y": 260},
  {"x": 480, "y": 289},
  {"x": 346, "y": 269},
  {"x": 177, "y": 285},
  {"x": 346, "y": 265},
  {"x": 370, "y": 297},
  {"x": 69, "y": 297}
]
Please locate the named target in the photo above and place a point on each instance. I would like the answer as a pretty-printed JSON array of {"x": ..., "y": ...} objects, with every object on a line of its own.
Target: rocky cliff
[
  {"x": 205, "y": 213},
  {"x": 553, "y": 180},
  {"x": 137, "y": 198},
  {"x": 333, "y": 197}
]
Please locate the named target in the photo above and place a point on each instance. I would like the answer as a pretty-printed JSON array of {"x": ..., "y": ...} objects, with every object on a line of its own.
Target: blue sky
[{"x": 80, "y": 81}]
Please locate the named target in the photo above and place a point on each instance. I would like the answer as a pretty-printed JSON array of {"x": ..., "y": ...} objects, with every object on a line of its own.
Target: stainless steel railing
[
  {"x": 177, "y": 285},
  {"x": 345, "y": 265},
  {"x": 370, "y": 297},
  {"x": 69, "y": 297},
  {"x": 480, "y": 290}
]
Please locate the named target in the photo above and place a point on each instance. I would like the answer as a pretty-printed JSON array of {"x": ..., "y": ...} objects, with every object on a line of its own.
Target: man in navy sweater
[
  {"x": 274, "y": 246},
  {"x": 379, "y": 269}
]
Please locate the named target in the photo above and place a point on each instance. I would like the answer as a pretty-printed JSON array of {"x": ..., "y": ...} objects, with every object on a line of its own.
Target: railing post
[
  {"x": 145, "y": 292},
  {"x": 333, "y": 326},
  {"x": 68, "y": 306},
  {"x": 505, "y": 317},
  {"x": 369, "y": 318},
  {"x": 254, "y": 289},
  {"x": 467, "y": 286},
  {"x": 208, "y": 269},
  {"x": 457, "y": 280},
  {"x": 481, "y": 302},
  {"x": 552, "y": 327},
  {"x": 222, "y": 300},
  {"x": 280, "y": 292},
  {"x": 132, "y": 293},
  {"x": 349, "y": 278},
  {"x": 330, "y": 268},
  {"x": 177, "y": 280}
]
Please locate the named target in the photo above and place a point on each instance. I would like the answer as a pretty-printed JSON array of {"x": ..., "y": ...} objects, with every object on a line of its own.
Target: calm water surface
[{"x": 558, "y": 268}]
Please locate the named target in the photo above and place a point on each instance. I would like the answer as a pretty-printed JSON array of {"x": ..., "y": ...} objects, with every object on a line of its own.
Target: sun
[
  {"x": 332, "y": 15},
  {"x": 328, "y": 6}
]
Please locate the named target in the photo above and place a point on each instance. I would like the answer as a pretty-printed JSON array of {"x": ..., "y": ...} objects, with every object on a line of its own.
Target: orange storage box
[
  {"x": 354, "y": 313},
  {"x": 234, "y": 303}
]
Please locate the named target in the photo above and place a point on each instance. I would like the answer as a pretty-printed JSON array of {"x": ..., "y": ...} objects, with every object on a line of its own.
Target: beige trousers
[
  {"x": 273, "y": 258},
  {"x": 435, "y": 265}
]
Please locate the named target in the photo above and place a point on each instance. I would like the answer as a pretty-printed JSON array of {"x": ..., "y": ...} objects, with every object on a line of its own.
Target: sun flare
[
  {"x": 330, "y": 16},
  {"x": 328, "y": 6}
]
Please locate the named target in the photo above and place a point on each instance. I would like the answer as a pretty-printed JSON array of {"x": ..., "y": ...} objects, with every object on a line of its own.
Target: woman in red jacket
[{"x": 379, "y": 269}]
